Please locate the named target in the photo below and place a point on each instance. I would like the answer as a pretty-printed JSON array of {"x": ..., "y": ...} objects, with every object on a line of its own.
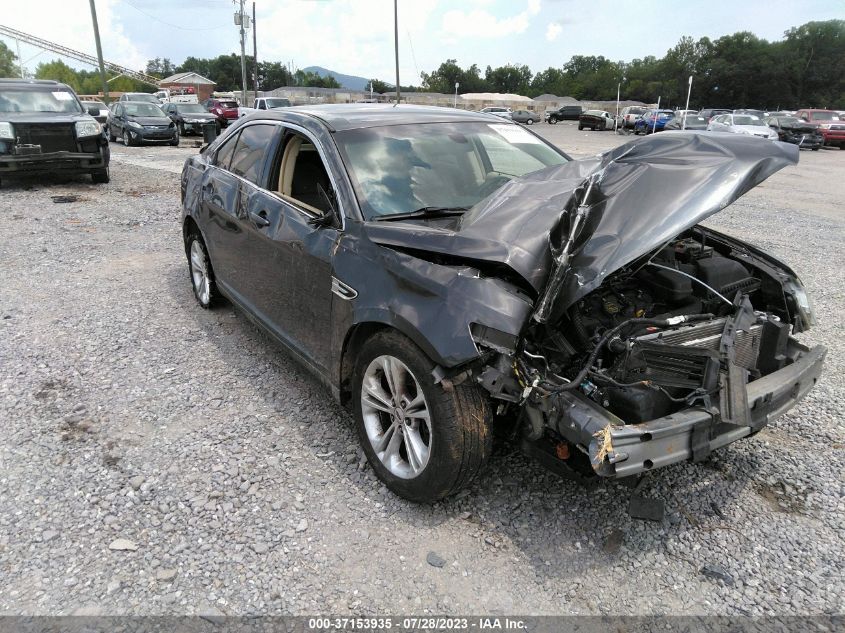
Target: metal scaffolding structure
[{"x": 20, "y": 36}]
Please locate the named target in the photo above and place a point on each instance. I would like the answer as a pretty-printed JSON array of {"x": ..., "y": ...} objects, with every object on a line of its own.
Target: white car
[
  {"x": 505, "y": 113},
  {"x": 742, "y": 124}
]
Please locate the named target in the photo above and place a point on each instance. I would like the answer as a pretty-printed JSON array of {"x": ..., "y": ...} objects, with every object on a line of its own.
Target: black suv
[
  {"x": 44, "y": 128},
  {"x": 566, "y": 113}
]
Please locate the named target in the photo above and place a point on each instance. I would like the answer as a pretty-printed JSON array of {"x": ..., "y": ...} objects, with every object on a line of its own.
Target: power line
[{"x": 175, "y": 26}]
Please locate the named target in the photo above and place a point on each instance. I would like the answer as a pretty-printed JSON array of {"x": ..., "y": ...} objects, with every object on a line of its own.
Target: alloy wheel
[
  {"x": 396, "y": 417},
  {"x": 199, "y": 272}
]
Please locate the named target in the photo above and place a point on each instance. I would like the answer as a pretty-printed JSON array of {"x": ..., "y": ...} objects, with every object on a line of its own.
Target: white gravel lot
[{"x": 157, "y": 458}]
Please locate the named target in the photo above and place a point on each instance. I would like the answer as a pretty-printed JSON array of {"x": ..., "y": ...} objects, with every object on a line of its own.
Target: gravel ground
[{"x": 162, "y": 459}]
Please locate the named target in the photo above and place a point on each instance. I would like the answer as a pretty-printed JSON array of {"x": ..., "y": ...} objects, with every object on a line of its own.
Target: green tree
[
  {"x": 160, "y": 68},
  {"x": 272, "y": 75},
  {"x": 448, "y": 73},
  {"x": 57, "y": 70},
  {"x": 508, "y": 79},
  {"x": 813, "y": 56},
  {"x": 8, "y": 67}
]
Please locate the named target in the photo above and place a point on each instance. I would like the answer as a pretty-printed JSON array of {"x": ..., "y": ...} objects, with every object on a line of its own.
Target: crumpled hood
[{"x": 651, "y": 190}]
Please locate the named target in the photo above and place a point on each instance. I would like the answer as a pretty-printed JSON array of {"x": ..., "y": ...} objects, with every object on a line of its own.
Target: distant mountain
[{"x": 347, "y": 81}]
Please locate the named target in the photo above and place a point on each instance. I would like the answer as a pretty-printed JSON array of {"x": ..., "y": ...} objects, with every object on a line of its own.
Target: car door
[
  {"x": 118, "y": 120},
  {"x": 223, "y": 234},
  {"x": 290, "y": 251}
]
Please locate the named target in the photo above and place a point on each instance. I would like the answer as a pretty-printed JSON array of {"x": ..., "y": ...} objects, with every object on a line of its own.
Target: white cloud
[
  {"x": 69, "y": 24},
  {"x": 349, "y": 36},
  {"x": 553, "y": 30},
  {"x": 483, "y": 24}
]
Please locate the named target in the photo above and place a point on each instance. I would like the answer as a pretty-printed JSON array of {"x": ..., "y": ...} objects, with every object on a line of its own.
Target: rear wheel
[
  {"x": 202, "y": 274},
  {"x": 423, "y": 441}
]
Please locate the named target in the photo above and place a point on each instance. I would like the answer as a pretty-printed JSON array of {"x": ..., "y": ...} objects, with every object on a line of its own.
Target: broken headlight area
[{"x": 658, "y": 365}]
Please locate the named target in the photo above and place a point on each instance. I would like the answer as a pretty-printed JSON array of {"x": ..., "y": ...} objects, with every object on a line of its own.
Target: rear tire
[
  {"x": 422, "y": 461},
  {"x": 200, "y": 271}
]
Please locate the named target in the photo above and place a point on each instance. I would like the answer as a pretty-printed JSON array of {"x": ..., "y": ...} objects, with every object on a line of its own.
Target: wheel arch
[
  {"x": 365, "y": 328},
  {"x": 189, "y": 225}
]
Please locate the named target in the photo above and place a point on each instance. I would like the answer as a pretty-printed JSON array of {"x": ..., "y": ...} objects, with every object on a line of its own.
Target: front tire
[
  {"x": 175, "y": 141},
  {"x": 530, "y": 122},
  {"x": 424, "y": 441},
  {"x": 101, "y": 176},
  {"x": 201, "y": 272},
  {"x": 580, "y": 127}
]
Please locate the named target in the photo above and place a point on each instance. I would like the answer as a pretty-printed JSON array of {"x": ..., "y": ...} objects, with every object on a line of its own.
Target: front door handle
[{"x": 259, "y": 219}]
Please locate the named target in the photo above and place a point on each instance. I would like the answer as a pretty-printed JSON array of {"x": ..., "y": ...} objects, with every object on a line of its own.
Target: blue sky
[{"x": 356, "y": 36}]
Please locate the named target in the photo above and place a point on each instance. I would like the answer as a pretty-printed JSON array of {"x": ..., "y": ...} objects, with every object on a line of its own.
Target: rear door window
[
  {"x": 250, "y": 153},
  {"x": 224, "y": 153}
]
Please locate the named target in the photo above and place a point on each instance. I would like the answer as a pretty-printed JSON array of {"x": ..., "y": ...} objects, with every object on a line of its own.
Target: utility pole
[
  {"x": 396, "y": 47},
  {"x": 99, "y": 52},
  {"x": 254, "y": 52},
  {"x": 20, "y": 59},
  {"x": 240, "y": 18}
]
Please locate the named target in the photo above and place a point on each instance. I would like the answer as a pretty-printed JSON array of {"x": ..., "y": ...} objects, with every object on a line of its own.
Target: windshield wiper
[{"x": 424, "y": 212}]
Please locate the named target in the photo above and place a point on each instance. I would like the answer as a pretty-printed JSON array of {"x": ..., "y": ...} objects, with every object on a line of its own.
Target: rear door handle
[{"x": 259, "y": 219}]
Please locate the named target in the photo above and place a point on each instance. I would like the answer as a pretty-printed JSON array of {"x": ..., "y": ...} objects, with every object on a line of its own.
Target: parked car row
[{"x": 807, "y": 128}]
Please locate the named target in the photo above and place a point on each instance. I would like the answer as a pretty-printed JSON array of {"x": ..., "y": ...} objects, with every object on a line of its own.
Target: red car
[
  {"x": 226, "y": 110},
  {"x": 830, "y": 125}
]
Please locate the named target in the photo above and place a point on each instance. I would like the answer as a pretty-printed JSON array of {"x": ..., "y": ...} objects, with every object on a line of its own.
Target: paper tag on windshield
[
  {"x": 63, "y": 96},
  {"x": 514, "y": 133}
]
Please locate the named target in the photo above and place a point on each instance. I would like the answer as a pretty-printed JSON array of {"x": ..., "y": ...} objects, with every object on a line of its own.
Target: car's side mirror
[
  {"x": 93, "y": 110},
  {"x": 330, "y": 217}
]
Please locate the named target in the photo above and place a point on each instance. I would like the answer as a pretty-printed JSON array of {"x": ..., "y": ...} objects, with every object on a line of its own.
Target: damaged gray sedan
[{"x": 446, "y": 276}]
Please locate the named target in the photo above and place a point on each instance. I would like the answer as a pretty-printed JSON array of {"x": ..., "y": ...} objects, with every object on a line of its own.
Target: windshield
[
  {"x": 747, "y": 119},
  {"x": 824, "y": 116},
  {"x": 142, "y": 96},
  {"x": 143, "y": 109},
  {"x": 191, "y": 108},
  {"x": 38, "y": 101},
  {"x": 277, "y": 103},
  {"x": 402, "y": 168}
]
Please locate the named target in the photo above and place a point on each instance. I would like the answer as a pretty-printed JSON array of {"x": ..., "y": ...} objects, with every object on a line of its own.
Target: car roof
[
  {"x": 33, "y": 84},
  {"x": 352, "y": 116},
  {"x": 136, "y": 103}
]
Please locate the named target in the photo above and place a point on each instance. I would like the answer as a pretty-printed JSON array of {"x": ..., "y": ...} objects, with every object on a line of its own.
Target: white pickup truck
[
  {"x": 166, "y": 96},
  {"x": 264, "y": 103}
]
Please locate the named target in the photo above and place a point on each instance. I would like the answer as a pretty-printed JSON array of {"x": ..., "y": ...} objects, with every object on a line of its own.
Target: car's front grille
[{"x": 52, "y": 137}]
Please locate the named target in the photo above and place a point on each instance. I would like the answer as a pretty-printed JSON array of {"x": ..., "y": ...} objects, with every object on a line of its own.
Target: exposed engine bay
[{"x": 689, "y": 325}]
